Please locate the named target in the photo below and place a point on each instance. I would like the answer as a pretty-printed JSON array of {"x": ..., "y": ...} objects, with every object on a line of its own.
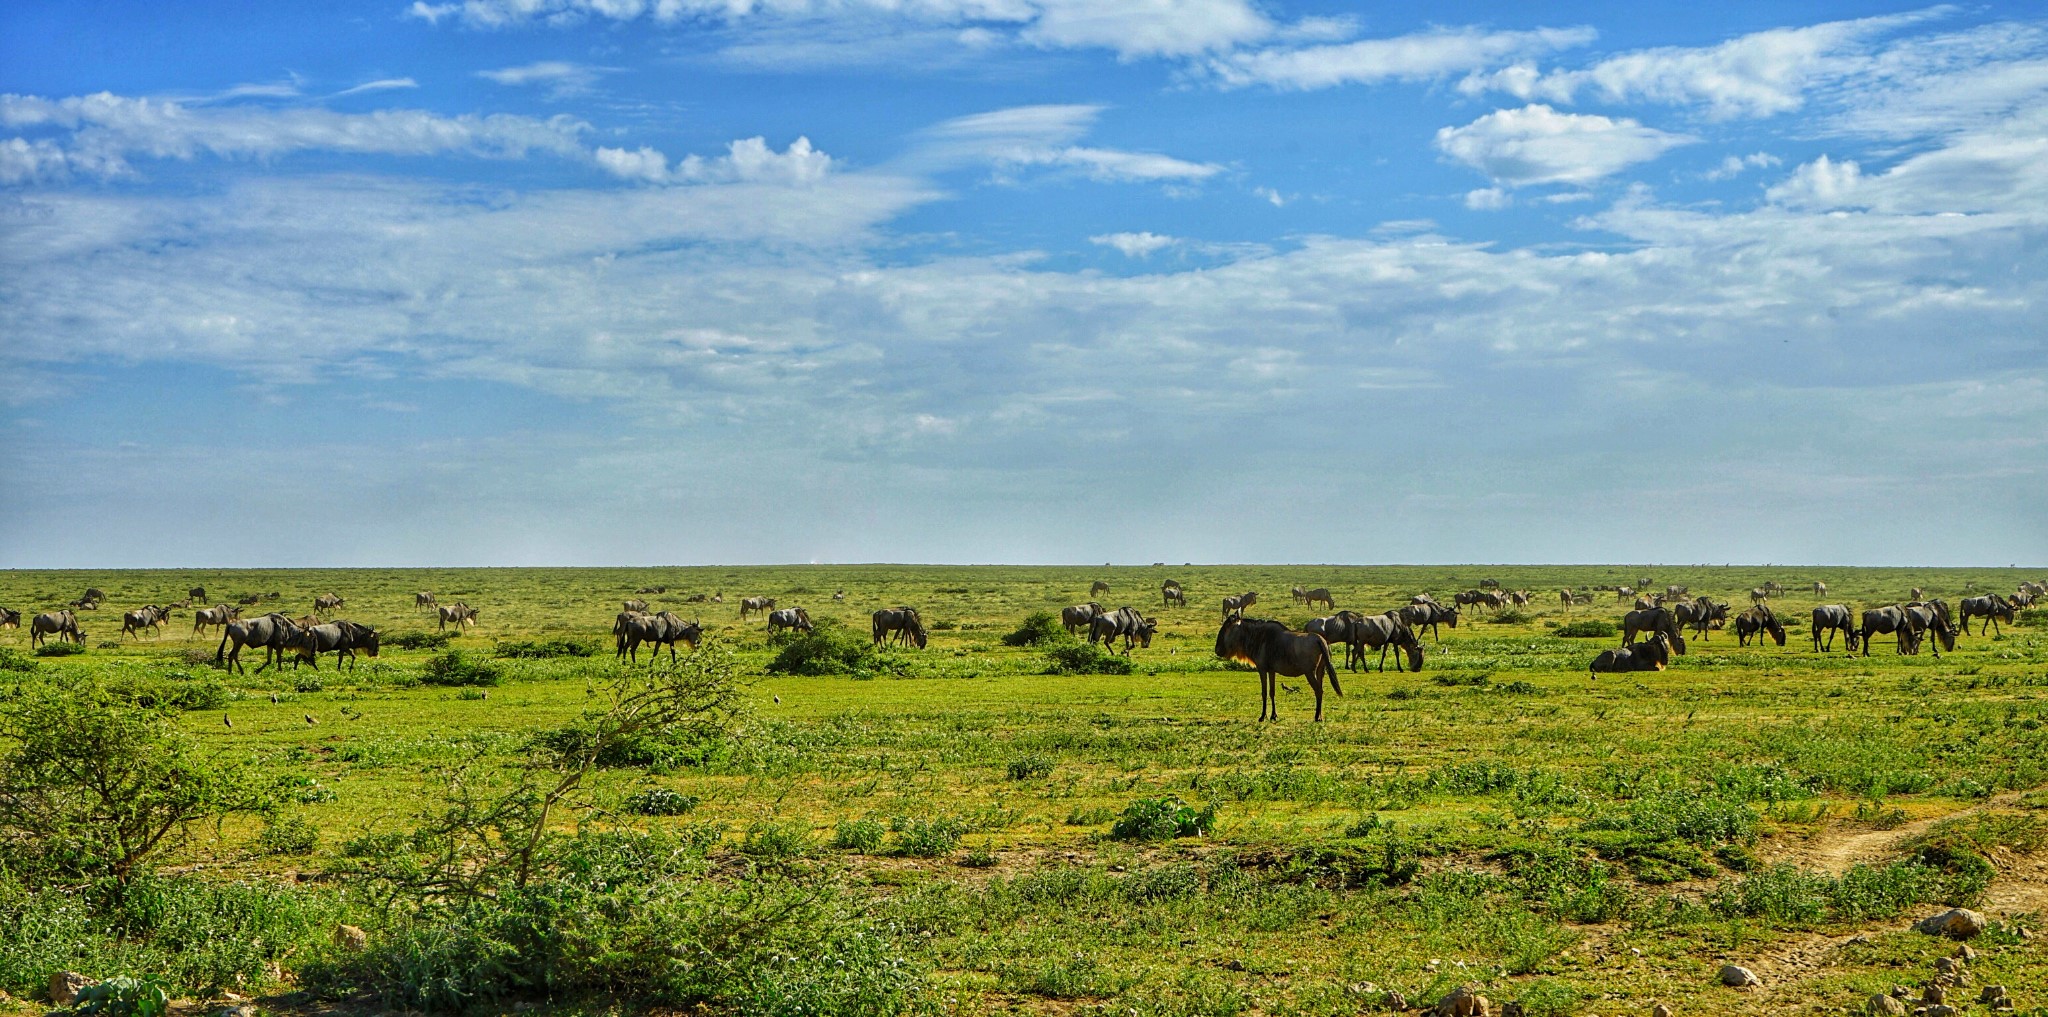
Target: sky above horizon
[{"x": 592, "y": 282}]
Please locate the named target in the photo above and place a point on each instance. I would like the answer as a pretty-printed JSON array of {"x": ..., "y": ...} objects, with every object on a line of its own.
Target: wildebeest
[
  {"x": 1652, "y": 654},
  {"x": 1656, "y": 619},
  {"x": 1931, "y": 616},
  {"x": 197, "y": 593},
  {"x": 148, "y": 617},
  {"x": 1675, "y": 590},
  {"x": 755, "y": 605},
  {"x": 1918, "y": 593},
  {"x": 1623, "y": 593},
  {"x": 2023, "y": 597},
  {"x": 652, "y": 589},
  {"x": 249, "y": 599},
  {"x": 95, "y": 595},
  {"x": 1236, "y": 605},
  {"x": 1172, "y": 595},
  {"x": 423, "y": 600},
  {"x": 62, "y": 624},
  {"x": 789, "y": 618},
  {"x": 1275, "y": 650},
  {"x": 1650, "y": 603},
  {"x": 1098, "y": 587},
  {"x": 1820, "y": 589},
  {"x": 901, "y": 624},
  {"x": 1759, "y": 595},
  {"x": 1700, "y": 615},
  {"x": 1831, "y": 618},
  {"x": 1126, "y": 622},
  {"x": 1644, "y": 583},
  {"x": 460, "y": 613},
  {"x": 1357, "y": 633},
  {"x": 274, "y": 632},
  {"x": 1077, "y": 617},
  {"x": 9, "y": 619},
  {"x": 638, "y": 606},
  {"x": 1991, "y": 608},
  {"x": 1489, "y": 584},
  {"x": 1758, "y": 622},
  {"x": 341, "y": 638},
  {"x": 218, "y": 615},
  {"x": 1337, "y": 630},
  {"x": 1299, "y": 593},
  {"x": 1519, "y": 598},
  {"x": 1319, "y": 595},
  {"x": 1428, "y": 615},
  {"x": 630, "y": 629},
  {"x": 327, "y": 602},
  {"x": 695, "y": 598},
  {"x": 1882, "y": 620}
]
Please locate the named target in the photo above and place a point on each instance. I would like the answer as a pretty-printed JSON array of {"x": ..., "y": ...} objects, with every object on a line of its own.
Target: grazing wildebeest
[
  {"x": 1700, "y": 615},
  {"x": 629, "y": 630},
  {"x": 423, "y": 600},
  {"x": 900, "y": 623},
  {"x": 1275, "y": 650},
  {"x": 1820, "y": 589},
  {"x": 197, "y": 593},
  {"x": 1236, "y": 605},
  {"x": 1098, "y": 587},
  {"x": 1319, "y": 595},
  {"x": 1653, "y": 654},
  {"x": 2023, "y": 597},
  {"x": 208, "y": 616},
  {"x": 9, "y": 619},
  {"x": 1623, "y": 593},
  {"x": 1077, "y": 617},
  {"x": 62, "y": 624},
  {"x": 755, "y": 605},
  {"x": 1428, "y": 615},
  {"x": 1300, "y": 594},
  {"x": 148, "y": 617},
  {"x": 1918, "y": 593},
  {"x": 1991, "y": 608},
  {"x": 341, "y": 638},
  {"x": 1171, "y": 595},
  {"x": 1758, "y": 622},
  {"x": 620, "y": 622},
  {"x": 1126, "y": 622},
  {"x": 1358, "y": 633},
  {"x": 789, "y": 618},
  {"x": 327, "y": 602},
  {"x": 1656, "y": 619},
  {"x": 460, "y": 613},
  {"x": 637, "y": 606},
  {"x": 1931, "y": 616},
  {"x": 1878, "y": 621},
  {"x": 274, "y": 632},
  {"x": 1831, "y": 618}
]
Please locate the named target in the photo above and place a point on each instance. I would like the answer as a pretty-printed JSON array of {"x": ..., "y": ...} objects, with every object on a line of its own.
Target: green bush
[
  {"x": 1510, "y": 616},
  {"x": 14, "y": 660},
  {"x": 546, "y": 649},
  {"x": 777, "y": 840},
  {"x": 289, "y": 834},
  {"x": 458, "y": 668},
  {"x": 171, "y": 692},
  {"x": 1039, "y": 629},
  {"x": 123, "y": 996},
  {"x": 828, "y": 649},
  {"x": 928, "y": 838},
  {"x": 1030, "y": 767},
  {"x": 860, "y": 836},
  {"x": 1589, "y": 628},
  {"x": 661, "y": 801},
  {"x": 418, "y": 640},
  {"x": 1076, "y": 657},
  {"x": 58, "y": 648},
  {"x": 1162, "y": 819}
]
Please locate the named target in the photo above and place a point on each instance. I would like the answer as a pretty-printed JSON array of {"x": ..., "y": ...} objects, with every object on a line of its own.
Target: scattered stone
[
  {"x": 350, "y": 938},
  {"x": 1511, "y": 1010},
  {"x": 1464, "y": 1001},
  {"x": 237, "y": 1010},
  {"x": 1660, "y": 1010},
  {"x": 1735, "y": 976},
  {"x": 1396, "y": 1002},
  {"x": 1881, "y": 1005},
  {"x": 1991, "y": 995},
  {"x": 1934, "y": 994},
  {"x": 1900, "y": 991},
  {"x": 64, "y": 986},
  {"x": 1948, "y": 965},
  {"x": 1955, "y": 923},
  {"x": 1966, "y": 953},
  {"x": 1938, "y": 1010}
]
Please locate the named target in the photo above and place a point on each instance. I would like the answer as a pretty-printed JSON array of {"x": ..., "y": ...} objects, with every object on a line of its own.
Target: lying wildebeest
[
  {"x": 637, "y": 606},
  {"x": 1820, "y": 589},
  {"x": 652, "y": 589},
  {"x": 1275, "y": 650},
  {"x": 327, "y": 602},
  {"x": 695, "y": 598},
  {"x": 1077, "y": 617},
  {"x": 1831, "y": 618},
  {"x": 1882, "y": 620},
  {"x": 718, "y": 597},
  {"x": 1319, "y": 595},
  {"x": 423, "y": 600},
  {"x": 1428, "y": 615},
  {"x": 62, "y": 624},
  {"x": 249, "y": 599},
  {"x": 1700, "y": 615},
  {"x": 755, "y": 605},
  {"x": 1758, "y": 622},
  {"x": 630, "y": 629},
  {"x": 212, "y": 616},
  {"x": 1172, "y": 595},
  {"x": 1236, "y": 605},
  {"x": 1656, "y": 619},
  {"x": 1126, "y": 622},
  {"x": 148, "y": 617},
  {"x": 1931, "y": 616},
  {"x": 460, "y": 613},
  {"x": 1489, "y": 584},
  {"x": 901, "y": 624},
  {"x": 341, "y": 638},
  {"x": 1653, "y": 654},
  {"x": 1098, "y": 587},
  {"x": 789, "y": 618},
  {"x": 274, "y": 632},
  {"x": 1991, "y": 608},
  {"x": 9, "y": 619}
]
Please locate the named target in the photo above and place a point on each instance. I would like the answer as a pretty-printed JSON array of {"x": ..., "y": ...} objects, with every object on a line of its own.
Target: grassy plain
[{"x": 1571, "y": 844}]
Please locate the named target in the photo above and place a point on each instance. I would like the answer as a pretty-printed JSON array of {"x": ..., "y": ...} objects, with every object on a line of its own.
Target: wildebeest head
[
  {"x": 1146, "y": 626},
  {"x": 369, "y": 642}
]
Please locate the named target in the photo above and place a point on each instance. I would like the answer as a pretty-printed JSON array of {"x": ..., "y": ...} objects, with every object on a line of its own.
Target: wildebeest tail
[
  {"x": 220, "y": 652},
  {"x": 1331, "y": 666}
]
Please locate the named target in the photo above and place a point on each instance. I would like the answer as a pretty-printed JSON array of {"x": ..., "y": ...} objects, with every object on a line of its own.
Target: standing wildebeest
[
  {"x": 1931, "y": 616},
  {"x": 1759, "y": 595},
  {"x": 2023, "y": 597},
  {"x": 423, "y": 600},
  {"x": 1700, "y": 615},
  {"x": 1340, "y": 629},
  {"x": 755, "y": 605},
  {"x": 1236, "y": 605},
  {"x": 637, "y": 606},
  {"x": 1274, "y": 650},
  {"x": 1820, "y": 589},
  {"x": 341, "y": 638},
  {"x": 274, "y": 632},
  {"x": 1675, "y": 590},
  {"x": 1758, "y": 622},
  {"x": 218, "y": 615},
  {"x": 1300, "y": 594},
  {"x": 1319, "y": 595},
  {"x": 1077, "y": 617},
  {"x": 1878, "y": 621},
  {"x": 150, "y": 617},
  {"x": 900, "y": 623},
  {"x": 62, "y": 624},
  {"x": 1361, "y": 632},
  {"x": 629, "y": 630},
  {"x": 1623, "y": 593},
  {"x": 1918, "y": 593},
  {"x": 1832, "y": 617},
  {"x": 1126, "y": 622},
  {"x": 1172, "y": 595},
  {"x": 1653, "y": 654},
  {"x": 789, "y": 618},
  {"x": 460, "y": 613},
  {"x": 1428, "y": 615},
  {"x": 196, "y": 593},
  {"x": 327, "y": 602},
  {"x": 9, "y": 619},
  {"x": 1656, "y": 619},
  {"x": 1098, "y": 587},
  {"x": 1990, "y": 608}
]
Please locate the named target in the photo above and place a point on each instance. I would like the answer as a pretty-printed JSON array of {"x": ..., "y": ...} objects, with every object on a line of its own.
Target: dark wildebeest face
[
  {"x": 1145, "y": 630},
  {"x": 369, "y": 643}
]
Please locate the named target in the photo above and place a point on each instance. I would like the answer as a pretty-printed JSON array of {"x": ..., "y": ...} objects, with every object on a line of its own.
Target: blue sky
[{"x": 652, "y": 281}]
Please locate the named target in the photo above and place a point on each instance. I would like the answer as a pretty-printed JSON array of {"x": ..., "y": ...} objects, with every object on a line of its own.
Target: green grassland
[{"x": 1570, "y": 843}]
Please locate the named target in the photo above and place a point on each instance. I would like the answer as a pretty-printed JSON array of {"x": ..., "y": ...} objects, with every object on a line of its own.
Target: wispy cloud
[
  {"x": 1026, "y": 137},
  {"x": 1421, "y": 56},
  {"x": 560, "y": 78},
  {"x": 379, "y": 85}
]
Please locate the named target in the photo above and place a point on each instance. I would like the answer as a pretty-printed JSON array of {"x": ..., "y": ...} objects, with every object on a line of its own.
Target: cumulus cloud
[
  {"x": 1488, "y": 199},
  {"x": 1135, "y": 245},
  {"x": 1416, "y": 57},
  {"x": 1735, "y": 165},
  {"x": 1538, "y": 145},
  {"x": 748, "y": 160}
]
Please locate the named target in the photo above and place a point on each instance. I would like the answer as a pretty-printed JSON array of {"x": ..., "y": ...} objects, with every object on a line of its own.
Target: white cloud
[
  {"x": 1040, "y": 136},
  {"x": 1822, "y": 183},
  {"x": 1416, "y": 57},
  {"x": 560, "y": 77},
  {"x": 1135, "y": 28},
  {"x": 380, "y": 85},
  {"x": 746, "y": 161},
  {"x": 1735, "y": 165},
  {"x": 1538, "y": 145},
  {"x": 1135, "y": 245},
  {"x": 1488, "y": 199}
]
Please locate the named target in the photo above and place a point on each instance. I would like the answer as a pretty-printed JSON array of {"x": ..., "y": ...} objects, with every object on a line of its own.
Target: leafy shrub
[
  {"x": 1090, "y": 815},
  {"x": 289, "y": 834},
  {"x": 170, "y": 692},
  {"x": 1039, "y": 629},
  {"x": 458, "y": 668},
  {"x": 123, "y": 996},
  {"x": 547, "y": 649},
  {"x": 308, "y": 684},
  {"x": 1076, "y": 657},
  {"x": 472, "y": 695},
  {"x": 1510, "y": 616},
  {"x": 1162, "y": 819},
  {"x": 14, "y": 660},
  {"x": 1589, "y": 628},
  {"x": 777, "y": 840},
  {"x": 860, "y": 836},
  {"x": 58, "y": 648},
  {"x": 829, "y": 648},
  {"x": 661, "y": 801},
  {"x": 979, "y": 858},
  {"x": 1702, "y": 817},
  {"x": 418, "y": 640},
  {"x": 928, "y": 838},
  {"x": 1030, "y": 767}
]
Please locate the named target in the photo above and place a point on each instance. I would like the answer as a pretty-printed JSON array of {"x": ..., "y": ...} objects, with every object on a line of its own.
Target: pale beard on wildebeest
[
  {"x": 664, "y": 629},
  {"x": 62, "y": 624},
  {"x": 1077, "y": 617},
  {"x": 1428, "y": 615},
  {"x": 274, "y": 632},
  {"x": 1275, "y": 650},
  {"x": 1882, "y": 620},
  {"x": 1756, "y": 623},
  {"x": 1831, "y": 618},
  {"x": 1126, "y": 622},
  {"x": 9, "y": 619},
  {"x": 1656, "y": 619},
  {"x": 341, "y": 638},
  {"x": 789, "y": 618},
  {"x": 1653, "y": 654},
  {"x": 756, "y": 605},
  {"x": 1991, "y": 608},
  {"x": 1236, "y": 605},
  {"x": 901, "y": 624}
]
